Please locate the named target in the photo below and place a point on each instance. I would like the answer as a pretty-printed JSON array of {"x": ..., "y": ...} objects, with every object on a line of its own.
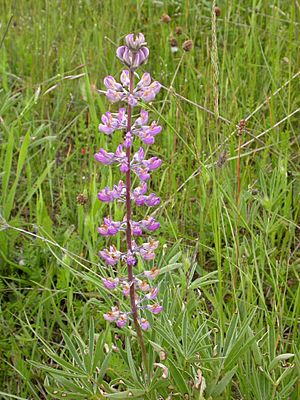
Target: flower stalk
[
  {"x": 129, "y": 236},
  {"x": 140, "y": 291}
]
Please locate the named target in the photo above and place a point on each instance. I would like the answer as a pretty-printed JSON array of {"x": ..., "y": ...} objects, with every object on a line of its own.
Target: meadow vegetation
[{"x": 230, "y": 257}]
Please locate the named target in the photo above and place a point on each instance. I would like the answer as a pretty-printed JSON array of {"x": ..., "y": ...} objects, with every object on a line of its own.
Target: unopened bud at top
[
  {"x": 134, "y": 53},
  {"x": 135, "y": 44}
]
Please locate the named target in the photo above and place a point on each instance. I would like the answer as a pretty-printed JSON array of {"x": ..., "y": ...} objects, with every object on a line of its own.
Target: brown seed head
[
  {"x": 187, "y": 45},
  {"x": 81, "y": 199},
  {"x": 173, "y": 42},
  {"x": 178, "y": 30},
  {"x": 217, "y": 11},
  {"x": 165, "y": 18}
]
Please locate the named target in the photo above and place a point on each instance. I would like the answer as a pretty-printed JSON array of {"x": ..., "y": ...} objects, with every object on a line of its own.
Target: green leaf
[
  {"x": 178, "y": 378},
  {"x": 104, "y": 367},
  {"x": 21, "y": 160},
  {"x": 205, "y": 280},
  {"x": 279, "y": 358},
  {"x": 220, "y": 387},
  {"x": 74, "y": 353},
  {"x": 130, "y": 360}
]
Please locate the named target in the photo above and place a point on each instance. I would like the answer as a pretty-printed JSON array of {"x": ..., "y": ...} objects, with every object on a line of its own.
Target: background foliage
[{"x": 230, "y": 281}]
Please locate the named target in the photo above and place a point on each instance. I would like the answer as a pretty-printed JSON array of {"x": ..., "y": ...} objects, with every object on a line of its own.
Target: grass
[{"x": 230, "y": 286}]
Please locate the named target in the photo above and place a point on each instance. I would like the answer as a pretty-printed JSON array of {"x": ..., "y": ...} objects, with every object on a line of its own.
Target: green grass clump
[{"x": 230, "y": 280}]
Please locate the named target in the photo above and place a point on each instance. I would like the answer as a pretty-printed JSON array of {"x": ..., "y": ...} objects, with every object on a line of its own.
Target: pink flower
[
  {"x": 112, "y": 315},
  {"x": 122, "y": 321},
  {"x": 126, "y": 289},
  {"x": 145, "y": 325},
  {"x": 152, "y": 294},
  {"x": 111, "y": 256},
  {"x": 150, "y": 223},
  {"x": 152, "y": 274},
  {"x": 104, "y": 157},
  {"x": 110, "y": 283},
  {"x": 109, "y": 227},
  {"x": 143, "y": 286},
  {"x": 155, "y": 308}
]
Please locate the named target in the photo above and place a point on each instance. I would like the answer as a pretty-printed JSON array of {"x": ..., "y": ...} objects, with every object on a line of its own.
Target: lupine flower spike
[{"x": 133, "y": 54}]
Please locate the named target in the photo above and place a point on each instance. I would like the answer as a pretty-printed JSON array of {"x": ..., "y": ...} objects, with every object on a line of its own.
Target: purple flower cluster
[
  {"x": 141, "y": 291},
  {"x": 144, "y": 90}
]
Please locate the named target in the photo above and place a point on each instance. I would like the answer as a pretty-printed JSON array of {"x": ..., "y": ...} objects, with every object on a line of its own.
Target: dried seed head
[
  {"x": 173, "y": 42},
  {"x": 81, "y": 199},
  {"x": 187, "y": 45},
  {"x": 178, "y": 30},
  {"x": 217, "y": 11},
  {"x": 165, "y": 18},
  {"x": 241, "y": 126}
]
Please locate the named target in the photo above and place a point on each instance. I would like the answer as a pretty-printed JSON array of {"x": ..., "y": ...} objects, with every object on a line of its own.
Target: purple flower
[
  {"x": 128, "y": 140},
  {"x": 112, "y": 315},
  {"x": 144, "y": 82},
  {"x": 146, "y": 90},
  {"x": 114, "y": 96},
  {"x": 147, "y": 133},
  {"x": 109, "y": 227},
  {"x": 152, "y": 274},
  {"x": 142, "y": 173},
  {"x": 126, "y": 289},
  {"x": 135, "y": 43},
  {"x": 143, "y": 286},
  {"x": 150, "y": 201},
  {"x": 133, "y": 59},
  {"x": 147, "y": 250},
  {"x": 150, "y": 223},
  {"x": 110, "y": 283},
  {"x": 122, "y": 321},
  {"x": 153, "y": 163},
  {"x": 154, "y": 308},
  {"x": 111, "y": 83},
  {"x": 136, "y": 228},
  {"x": 104, "y": 157},
  {"x": 124, "y": 78},
  {"x": 130, "y": 259},
  {"x": 149, "y": 93},
  {"x": 106, "y": 195},
  {"x": 111, "y": 123},
  {"x": 143, "y": 119},
  {"x": 145, "y": 325},
  {"x": 139, "y": 156},
  {"x": 152, "y": 294},
  {"x": 111, "y": 256},
  {"x": 147, "y": 255},
  {"x": 140, "y": 190},
  {"x": 133, "y": 54},
  {"x": 132, "y": 101}
]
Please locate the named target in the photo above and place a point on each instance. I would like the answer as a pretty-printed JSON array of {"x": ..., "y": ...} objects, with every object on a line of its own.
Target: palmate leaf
[{"x": 69, "y": 387}]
